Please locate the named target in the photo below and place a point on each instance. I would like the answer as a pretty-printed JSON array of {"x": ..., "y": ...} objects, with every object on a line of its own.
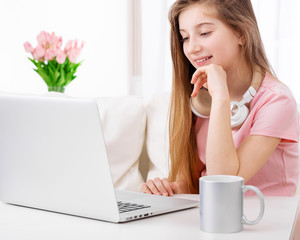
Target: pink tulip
[
  {"x": 59, "y": 42},
  {"x": 73, "y": 55},
  {"x": 73, "y": 49},
  {"x": 42, "y": 38},
  {"x": 50, "y": 54},
  {"x": 47, "y": 38},
  {"x": 61, "y": 57},
  {"x": 54, "y": 40},
  {"x": 49, "y": 48},
  {"x": 82, "y": 44},
  {"x": 75, "y": 42},
  {"x": 28, "y": 47},
  {"x": 38, "y": 52},
  {"x": 68, "y": 46}
]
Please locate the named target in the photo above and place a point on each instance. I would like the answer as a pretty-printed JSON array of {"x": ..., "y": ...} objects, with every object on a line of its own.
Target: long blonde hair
[{"x": 239, "y": 15}]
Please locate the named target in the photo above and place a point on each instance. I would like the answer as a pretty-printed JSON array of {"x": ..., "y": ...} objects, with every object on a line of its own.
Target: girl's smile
[{"x": 203, "y": 61}]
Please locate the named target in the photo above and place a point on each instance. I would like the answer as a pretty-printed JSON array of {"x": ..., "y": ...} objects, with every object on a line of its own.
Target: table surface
[{"x": 26, "y": 223}]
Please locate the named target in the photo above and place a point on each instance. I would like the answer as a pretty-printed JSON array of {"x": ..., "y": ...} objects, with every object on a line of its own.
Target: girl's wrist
[{"x": 222, "y": 98}]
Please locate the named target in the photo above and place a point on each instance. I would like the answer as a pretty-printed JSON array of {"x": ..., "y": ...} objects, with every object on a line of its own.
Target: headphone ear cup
[{"x": 239, "y": 113}]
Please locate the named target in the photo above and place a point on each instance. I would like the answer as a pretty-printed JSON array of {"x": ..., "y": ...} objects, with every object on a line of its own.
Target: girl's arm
[
  {"x": 221, "y": 155},
  {"x": 253, "y": 153}
]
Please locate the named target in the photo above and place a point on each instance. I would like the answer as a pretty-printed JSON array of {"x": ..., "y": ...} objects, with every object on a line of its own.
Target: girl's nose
[{"x": 194, "y": 46}]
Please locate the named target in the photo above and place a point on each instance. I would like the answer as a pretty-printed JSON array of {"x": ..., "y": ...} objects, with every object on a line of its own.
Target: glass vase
[{"x": 56, "y": 89}]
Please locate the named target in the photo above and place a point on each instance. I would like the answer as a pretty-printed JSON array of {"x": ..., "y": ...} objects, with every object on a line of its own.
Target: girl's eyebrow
[{"x": 197, "y": 26}]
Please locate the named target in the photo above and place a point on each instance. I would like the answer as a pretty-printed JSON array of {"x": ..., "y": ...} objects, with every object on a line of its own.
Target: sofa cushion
[
  {"x": 157, "y": 138},
  {"x": 123, "y": 122}
]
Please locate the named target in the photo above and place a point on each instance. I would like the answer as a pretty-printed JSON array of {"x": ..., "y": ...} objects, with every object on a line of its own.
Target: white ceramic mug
[{"x": 221, "y": 203}]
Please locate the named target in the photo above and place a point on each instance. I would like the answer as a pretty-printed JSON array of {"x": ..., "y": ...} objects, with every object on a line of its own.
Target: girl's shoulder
[
  {"x": 272, "y": 86},
  {"x": 273, "y": 92},
  {"x": 274, "y": 111}
]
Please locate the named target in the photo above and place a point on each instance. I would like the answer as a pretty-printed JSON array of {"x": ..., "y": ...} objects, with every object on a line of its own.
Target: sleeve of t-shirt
[{"x": 277, "y": 117}]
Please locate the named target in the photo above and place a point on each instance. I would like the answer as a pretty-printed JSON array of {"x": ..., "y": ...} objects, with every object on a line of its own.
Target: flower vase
[{"x": 56, "y": 89}]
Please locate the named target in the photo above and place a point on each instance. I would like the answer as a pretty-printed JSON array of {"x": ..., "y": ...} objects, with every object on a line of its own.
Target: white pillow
[
  {"x": 124, "y": 123},
  {"x": 158, "y": 135}
]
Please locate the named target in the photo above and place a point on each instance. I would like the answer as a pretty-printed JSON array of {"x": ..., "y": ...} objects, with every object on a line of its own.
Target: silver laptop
[{"x": 53, "y": 157}]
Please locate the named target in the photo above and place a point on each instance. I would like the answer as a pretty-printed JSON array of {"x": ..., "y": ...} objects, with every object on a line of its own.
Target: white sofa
[{"x": 136, "y": 135}]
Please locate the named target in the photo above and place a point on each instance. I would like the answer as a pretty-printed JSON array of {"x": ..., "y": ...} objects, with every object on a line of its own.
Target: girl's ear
[{"x": 241, "y": 39}]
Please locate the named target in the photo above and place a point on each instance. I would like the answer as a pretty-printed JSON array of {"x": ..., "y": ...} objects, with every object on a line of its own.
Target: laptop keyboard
[{"x": 128, "y": 207}]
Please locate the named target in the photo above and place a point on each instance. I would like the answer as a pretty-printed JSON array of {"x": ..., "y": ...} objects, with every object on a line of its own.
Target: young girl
[{"x": 229, "y": 115}]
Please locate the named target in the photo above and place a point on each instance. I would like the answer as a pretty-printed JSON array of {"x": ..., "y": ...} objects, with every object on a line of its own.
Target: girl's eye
[
  {"x": 205, "y": 34},
  {"x": 184, "y": 39}
]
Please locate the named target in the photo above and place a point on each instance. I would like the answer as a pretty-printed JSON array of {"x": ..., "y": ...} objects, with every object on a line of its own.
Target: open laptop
[{"x": 53, "y": 157}]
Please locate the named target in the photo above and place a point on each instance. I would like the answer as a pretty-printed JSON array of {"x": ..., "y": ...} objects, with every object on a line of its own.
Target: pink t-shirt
[{"x": 273, "y": 113}]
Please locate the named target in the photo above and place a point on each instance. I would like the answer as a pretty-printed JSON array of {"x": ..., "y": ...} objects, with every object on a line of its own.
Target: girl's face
[{"x": 206, "y": 39}]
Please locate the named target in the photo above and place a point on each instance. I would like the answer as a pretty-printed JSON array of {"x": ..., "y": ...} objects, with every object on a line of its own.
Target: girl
[{"x": 220, "y": 73}]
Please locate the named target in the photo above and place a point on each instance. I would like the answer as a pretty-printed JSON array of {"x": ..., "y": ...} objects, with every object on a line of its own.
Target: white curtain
[
  {"x": 279, "y": 23},
  {"x": 156, "y": 56}
]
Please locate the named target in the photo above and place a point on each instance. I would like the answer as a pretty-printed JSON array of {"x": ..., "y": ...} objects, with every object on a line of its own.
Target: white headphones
[{"x": 239, "y": 111}]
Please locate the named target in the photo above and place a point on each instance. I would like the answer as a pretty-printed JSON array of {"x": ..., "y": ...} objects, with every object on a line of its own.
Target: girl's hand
[
  {"x": 161, "y": 187},
  {"x": 213, "y": 77}
]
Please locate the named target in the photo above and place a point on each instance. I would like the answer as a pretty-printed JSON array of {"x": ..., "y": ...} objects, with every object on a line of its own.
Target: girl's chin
[{"x": 203, "y": 65}]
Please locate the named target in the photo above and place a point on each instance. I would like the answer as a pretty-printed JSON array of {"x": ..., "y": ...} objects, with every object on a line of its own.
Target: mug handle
[{"x": 262, "y": 205}]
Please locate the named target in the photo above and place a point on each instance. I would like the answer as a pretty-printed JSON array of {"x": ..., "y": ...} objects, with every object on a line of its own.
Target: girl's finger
[
  {"x": 160, "y": 186},
  {"x": 145, "y": 189},
  {"x": 197, "y": 87},
  {"x": 200, "y": 73},
  {"x": 152, "y": 187},
  {"x": 176, "y": 187},
  {"x": 167, "y": 186}
]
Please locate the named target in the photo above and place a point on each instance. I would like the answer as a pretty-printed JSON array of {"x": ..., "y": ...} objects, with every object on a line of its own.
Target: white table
[{"x": 30, "y": 224}]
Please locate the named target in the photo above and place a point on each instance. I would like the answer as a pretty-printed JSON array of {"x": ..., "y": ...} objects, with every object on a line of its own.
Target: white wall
[
  {"x": 107, "y": 66},
  {"x": 101, "y": 24}
]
